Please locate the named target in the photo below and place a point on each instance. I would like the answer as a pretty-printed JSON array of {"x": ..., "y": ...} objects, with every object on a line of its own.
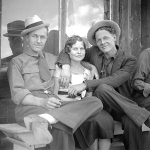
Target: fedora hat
[
  {"x": 14, "y": 28},
  {"x": 91, "y": 32},
  {"x": 32, "y": 24}
]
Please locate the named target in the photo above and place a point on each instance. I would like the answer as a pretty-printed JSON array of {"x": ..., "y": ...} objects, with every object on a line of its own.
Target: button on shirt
[{"x": 23, "y": 74}]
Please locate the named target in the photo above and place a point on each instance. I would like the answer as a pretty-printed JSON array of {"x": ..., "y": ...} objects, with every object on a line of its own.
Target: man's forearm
[
  {"x": 32, "y": 100},
  {"x": 63, "y": 58},
  {"x": 87, "y": 65}
]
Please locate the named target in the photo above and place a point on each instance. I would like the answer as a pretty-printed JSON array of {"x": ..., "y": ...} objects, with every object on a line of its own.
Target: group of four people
[{"x": 84, "y": 110}]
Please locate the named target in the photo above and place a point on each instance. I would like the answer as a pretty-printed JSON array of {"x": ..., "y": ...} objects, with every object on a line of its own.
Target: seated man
[
  {"x": 141, "y": 84},
  {"x": 31, "y": 82},
  {"x": 115, "y": 67}
]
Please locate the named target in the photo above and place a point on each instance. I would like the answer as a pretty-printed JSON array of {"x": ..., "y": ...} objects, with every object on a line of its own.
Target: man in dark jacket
[
  {"x": 141, "y": 82},
  {"x": 114, "y": 68}
]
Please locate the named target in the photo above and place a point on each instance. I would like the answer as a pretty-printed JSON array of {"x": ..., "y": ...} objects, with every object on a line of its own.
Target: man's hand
[
  {"x": 94, "y": 73},
  {"x": 51, "y": 103},
  {"x": 92, "y": 68},
  {"x": 65, "y": 76},
  {"x": 75, "y": 89}
]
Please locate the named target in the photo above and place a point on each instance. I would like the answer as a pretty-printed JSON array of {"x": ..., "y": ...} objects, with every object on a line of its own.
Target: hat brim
[
  {"x": 91, "y": 32},
  {"x": 24, "y": 32},
  {"x": 7, "y": 34}
]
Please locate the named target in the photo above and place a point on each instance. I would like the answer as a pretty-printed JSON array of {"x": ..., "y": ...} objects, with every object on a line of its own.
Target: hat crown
[
  {"x": 15, "y": 28},
  {"x": 32, "y": 20},
  {"x": 18, "y": 24},
  {"x": 32, "y": 24},
  {"x": 99, "y": 24}
]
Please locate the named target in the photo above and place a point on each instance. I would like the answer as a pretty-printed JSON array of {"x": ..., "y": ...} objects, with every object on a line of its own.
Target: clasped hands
[
  {"x": 74, "y": 89},
  {"x": 52, "y": 102}
]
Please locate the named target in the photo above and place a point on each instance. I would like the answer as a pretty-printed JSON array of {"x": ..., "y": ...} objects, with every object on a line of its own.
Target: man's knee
[{"x": 105, "y": 120}]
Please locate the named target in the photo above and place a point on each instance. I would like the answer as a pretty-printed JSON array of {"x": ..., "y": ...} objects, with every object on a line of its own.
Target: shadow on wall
[
  {"x": 52, "y": 44},
  {"x": 15, "y": 42}
]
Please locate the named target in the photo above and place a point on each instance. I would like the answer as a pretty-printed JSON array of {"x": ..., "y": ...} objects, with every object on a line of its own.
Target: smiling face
[
  {"x": 37, "y": 39},
  {"x": 105, "y": 41},
  {"x": 77, "y": 51}
]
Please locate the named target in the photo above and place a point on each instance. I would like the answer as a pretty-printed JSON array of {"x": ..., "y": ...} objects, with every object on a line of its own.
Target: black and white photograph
[{"x": 75, "y": 75}]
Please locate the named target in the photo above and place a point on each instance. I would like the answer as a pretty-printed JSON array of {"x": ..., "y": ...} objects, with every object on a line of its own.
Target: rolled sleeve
[
  {"x": 16, "y": 82},
  {"x": 20, "y": 95}
]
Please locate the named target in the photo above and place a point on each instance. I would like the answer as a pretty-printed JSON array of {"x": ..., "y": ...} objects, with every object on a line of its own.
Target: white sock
[{"x": 49, "y": 118}]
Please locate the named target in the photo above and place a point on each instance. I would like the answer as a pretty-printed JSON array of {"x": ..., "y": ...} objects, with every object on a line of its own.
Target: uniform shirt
[
  {"x": 141, "y": 76},
  {"x": 23, "y": 75}
]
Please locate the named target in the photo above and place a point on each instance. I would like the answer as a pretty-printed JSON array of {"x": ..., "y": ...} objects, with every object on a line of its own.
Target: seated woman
[{"x": 100, "y": 125}]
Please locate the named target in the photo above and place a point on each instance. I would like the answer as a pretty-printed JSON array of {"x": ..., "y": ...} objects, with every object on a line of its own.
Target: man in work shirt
[{"x": 31, "y": 83}]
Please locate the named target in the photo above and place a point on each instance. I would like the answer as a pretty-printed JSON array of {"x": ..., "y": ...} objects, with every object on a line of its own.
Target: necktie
[{"x": 43, "y": 68}]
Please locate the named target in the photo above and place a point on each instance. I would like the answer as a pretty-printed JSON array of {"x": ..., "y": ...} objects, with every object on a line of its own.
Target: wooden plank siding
[
  {"x": 128, "y": 15},
  {"x": 145, "y": 24},
  {"x": 133, "y": 16}
]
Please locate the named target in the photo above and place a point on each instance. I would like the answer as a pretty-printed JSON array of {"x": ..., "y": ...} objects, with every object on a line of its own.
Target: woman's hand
[{"x": 92, "y": 68}]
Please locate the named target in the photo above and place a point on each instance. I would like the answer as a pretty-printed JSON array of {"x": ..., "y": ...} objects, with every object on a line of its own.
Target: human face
[
  {"x": 105, "y": 41},
  {"x": 77, "y": 51},
  {"x": 37, "y": 39}
]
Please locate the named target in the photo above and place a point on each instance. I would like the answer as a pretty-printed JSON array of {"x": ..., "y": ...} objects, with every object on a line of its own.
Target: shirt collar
[{"x": 30, "y": 52}]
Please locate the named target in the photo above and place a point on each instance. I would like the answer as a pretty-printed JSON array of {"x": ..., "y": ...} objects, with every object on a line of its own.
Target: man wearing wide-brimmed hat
[
  {"x": 31, "y": 83},
  {"x": 115, "y": 68}
]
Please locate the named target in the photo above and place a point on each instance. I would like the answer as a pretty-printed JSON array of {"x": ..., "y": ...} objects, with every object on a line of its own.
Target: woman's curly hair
[{"x": 72, "y": 40}]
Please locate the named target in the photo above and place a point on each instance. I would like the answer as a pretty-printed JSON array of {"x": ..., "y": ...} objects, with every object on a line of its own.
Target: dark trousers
[
  {"x": 132, "y": 137},
  {"x": 111, "y": 98},
  {"x": 62, "y": 139},
  {"x": 134, "y": 116}
]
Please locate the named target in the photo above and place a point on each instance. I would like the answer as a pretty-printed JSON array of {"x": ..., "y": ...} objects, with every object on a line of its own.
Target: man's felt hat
[
  {"x": 91, "y": 32},
  {"x": 32, "y": 24},
  {"x": 15, "y": 28}
]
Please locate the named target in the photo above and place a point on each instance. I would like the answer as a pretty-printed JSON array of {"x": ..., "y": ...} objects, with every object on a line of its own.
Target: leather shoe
[{"x": 39, "y": 127}]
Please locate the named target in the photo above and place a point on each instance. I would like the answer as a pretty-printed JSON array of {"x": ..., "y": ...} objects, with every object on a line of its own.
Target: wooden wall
[
  {"x": 128, "y": 15},
  {"x": 145, "y": 24},
  {"x": 133, "y": 16}
]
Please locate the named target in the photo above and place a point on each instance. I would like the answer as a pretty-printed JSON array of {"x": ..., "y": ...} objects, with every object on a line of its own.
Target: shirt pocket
[{"x": 31, "y": 75}]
